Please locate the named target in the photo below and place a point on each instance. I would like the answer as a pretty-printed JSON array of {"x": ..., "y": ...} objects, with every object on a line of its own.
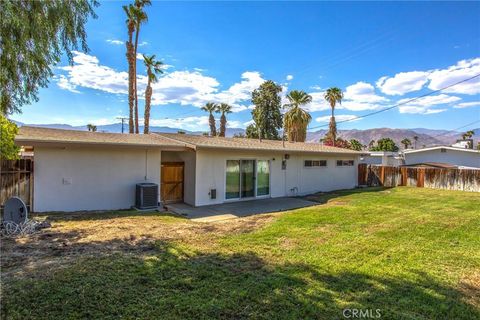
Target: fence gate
[{"x": 16, "y": 179}]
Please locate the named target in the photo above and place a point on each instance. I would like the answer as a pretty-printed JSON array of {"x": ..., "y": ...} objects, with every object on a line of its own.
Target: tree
[
  {"x": 339, "y": 143},
  {"x": 385, "y": 144},
  {"x": 130, "y": 11},
  {"x": 371, "y": 144},
  {"x": 406, "y": 142},
  {"x": 34, "y": 36},
  {"x": 91, "y": 127},
  {"x": 8, "y": 131},
  {"x": 356, "y": 145},
  {"x": 296, "y": 120},
  {"x": 223, "y": 108},
  {"x": 154, "y": 67},
  {"x": 251, "y": 131},
  {"x": 210, "y": 107},
  {"x": 415, "y": 139},
  {"x": 333, "y": 95},
  {"x": 140, "y": 17},
  {"x": 478, "y": 145},
  {"x": 239, "y": 135},
  {"x": 266, "y": 114},
  {"x": 468, "y": 134}
]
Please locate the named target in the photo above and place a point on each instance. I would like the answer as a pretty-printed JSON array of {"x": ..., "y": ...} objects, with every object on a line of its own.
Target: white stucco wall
[
  {"x": 91, "y": 178},
  {"x": 455, "y": 157},
  {"x": 188, "y": 158},
  {"x": 296, "y": 180}
]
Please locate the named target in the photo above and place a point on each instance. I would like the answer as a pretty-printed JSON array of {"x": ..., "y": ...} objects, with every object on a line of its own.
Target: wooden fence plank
[{"x": 16, "y": 179}]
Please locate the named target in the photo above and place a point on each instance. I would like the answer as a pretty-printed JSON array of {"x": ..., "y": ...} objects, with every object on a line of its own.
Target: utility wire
[
  {"x": 450, "y": 131},
  {"x": 400, "y": 104}
]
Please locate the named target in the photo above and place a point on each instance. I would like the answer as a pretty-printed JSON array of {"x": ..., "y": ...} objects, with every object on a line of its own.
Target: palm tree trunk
[
  {"x": 148, "y": 99},
  {"x": 223, "y": 124},
  {"x": 137, "y": 31},
  {"x": 213, "y": 129},
  {"x": 131, "y": 87}
]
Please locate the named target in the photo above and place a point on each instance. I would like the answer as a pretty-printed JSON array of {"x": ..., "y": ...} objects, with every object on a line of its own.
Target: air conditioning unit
[{"x": 146, "y": 196}]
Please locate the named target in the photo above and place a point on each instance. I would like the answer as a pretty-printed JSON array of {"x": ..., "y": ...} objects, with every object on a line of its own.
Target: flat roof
[
  {"x": 199, "y": 141},
  {"x": 39, "y": 135},
  {"x": 440, "y": 147}
]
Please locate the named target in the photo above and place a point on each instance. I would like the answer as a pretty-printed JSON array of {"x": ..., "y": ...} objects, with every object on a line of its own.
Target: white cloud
[
  {"x": 143, "y": 43},
  {"x": 340, "y": 117},
  {"x": 403, "y": 82},
  {"x": 289, "y": 77},
  {"x": 467, "y": 105},
  {"x": 426, "y": 105},
  {"x": 188, "y": 123},
  {"x": 115, "y": 42},
  {"x": 462, "y": 70},
  {"x": 140, "y": 56},
  {"x": 63, "y": 83},
  {"x": 246, "y": 124}
]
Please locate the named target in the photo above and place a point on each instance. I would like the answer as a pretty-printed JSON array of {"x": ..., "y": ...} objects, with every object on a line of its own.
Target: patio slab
[{"x": 238, "y": 209}]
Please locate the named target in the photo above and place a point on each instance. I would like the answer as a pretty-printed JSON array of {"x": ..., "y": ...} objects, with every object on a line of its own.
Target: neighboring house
[
  {"x": 459, "y": 157},
  {"x": 79, "y": 170},
  {"x": 385, "y": 158}
]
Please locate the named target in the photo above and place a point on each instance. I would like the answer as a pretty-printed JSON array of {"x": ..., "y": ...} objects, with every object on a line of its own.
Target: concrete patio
[{"x": 238, "y": 209}]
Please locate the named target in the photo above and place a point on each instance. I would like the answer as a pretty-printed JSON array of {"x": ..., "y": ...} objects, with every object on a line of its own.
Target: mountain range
[{"x": 426, "y": 137}]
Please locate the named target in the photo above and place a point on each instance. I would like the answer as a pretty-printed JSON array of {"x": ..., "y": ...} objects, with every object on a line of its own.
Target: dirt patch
[{"x": 470, "y": 287}]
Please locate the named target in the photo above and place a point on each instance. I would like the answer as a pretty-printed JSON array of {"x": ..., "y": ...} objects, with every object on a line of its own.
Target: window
[
  {"x": 443, "y": 150},
  {"x": 315, "y": 163},
  {"x": 345, "y": 163}
]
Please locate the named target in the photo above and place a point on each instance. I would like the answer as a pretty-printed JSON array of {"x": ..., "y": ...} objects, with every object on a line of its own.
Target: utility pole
[{"x": 123, "y": 121}]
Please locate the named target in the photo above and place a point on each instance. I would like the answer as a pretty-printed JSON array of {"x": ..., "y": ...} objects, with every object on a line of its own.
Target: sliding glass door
[{"x": 247, "y": 179}]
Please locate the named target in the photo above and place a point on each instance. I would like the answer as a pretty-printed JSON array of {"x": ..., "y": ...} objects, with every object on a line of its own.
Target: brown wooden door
[{"x": 171, "y": 188}]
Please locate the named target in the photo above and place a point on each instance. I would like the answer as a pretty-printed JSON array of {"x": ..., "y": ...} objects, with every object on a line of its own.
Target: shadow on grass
[
  {"x": 100, "y": 215},
  {"x": 172, "y": 283},
  {"x": 324, "y": 197}
]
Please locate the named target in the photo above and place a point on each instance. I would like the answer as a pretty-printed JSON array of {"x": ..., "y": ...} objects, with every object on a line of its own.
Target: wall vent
[{"x": 213, "y": 193}]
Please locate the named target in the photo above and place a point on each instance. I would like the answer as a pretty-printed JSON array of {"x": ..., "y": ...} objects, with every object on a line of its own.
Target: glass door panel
[
  {"x": 263, "y": 178},
  {"x": 233, "y": 179},
  {"x": 247, "y": 180}
]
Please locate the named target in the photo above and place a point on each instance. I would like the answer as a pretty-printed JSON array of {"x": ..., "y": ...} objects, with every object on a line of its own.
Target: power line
[
  {"x": 402, "y": 103},
  {"x": 467, "y": 125}
]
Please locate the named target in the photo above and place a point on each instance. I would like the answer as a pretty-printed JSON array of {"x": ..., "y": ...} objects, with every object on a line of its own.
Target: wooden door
[{"x": 171, "y": 188}]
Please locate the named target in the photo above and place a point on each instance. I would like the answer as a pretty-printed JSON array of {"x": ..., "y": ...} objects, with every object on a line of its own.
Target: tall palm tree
[
  {"x": 140, "y": 17},
  {"x": 130, "y": 11},
  {"x": 333, "y": 95},
  {"x": 210, "y": 107},
  {"x": 296, "y": 120},
  {"x": 223, "y": 108},
  {"x": 406, "y": 142},
  {"x": 154, "y": 67},
  {"x": 415, "y": 139}
]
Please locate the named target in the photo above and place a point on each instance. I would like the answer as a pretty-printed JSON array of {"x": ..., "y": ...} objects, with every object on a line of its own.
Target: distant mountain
[{"x": 427, "y": 137}]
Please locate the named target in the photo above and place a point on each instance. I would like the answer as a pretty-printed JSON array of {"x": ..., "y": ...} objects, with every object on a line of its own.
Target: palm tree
[
  {"x": 371, "y": 144},
  {"x": 406, "y": 142},
  {"x": 333, "y": 95},
  {"x": 154, "y": 67},
  {"x": 296, "y": 120},
  {"x": 210, "y": 107},
  {"x": 91, "y": 127},
  {"x": 468, "y": 134},
  {"x": 415, "y": 139},
  {"x": 223, "y": 108},
  {"x": 130, "y": 11},
  {"x": 140, "y": 17}
]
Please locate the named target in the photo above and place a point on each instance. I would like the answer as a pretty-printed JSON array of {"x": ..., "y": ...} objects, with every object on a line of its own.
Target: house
[
  {"x": 80, "y": 170},
  {"x": 459, "y": 157},
  {"x": 385, "y": 158}
]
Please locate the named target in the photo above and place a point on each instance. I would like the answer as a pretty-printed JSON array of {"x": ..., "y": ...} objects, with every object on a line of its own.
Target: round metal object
[{"x": 15, "y": 210}]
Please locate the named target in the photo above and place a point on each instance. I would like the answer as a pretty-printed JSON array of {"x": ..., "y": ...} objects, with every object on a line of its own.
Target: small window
[
  {"x": 345, "y": 163},
  {"x": 315, "y": 163},
  {"x": 443, "y": 150}
]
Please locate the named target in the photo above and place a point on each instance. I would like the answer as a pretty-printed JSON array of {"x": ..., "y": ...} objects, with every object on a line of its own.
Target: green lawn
[{"x": 412, "y": 253}]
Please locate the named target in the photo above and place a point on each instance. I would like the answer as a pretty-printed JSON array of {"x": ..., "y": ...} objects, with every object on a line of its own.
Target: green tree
[
  {"x": 33, "y": 37},
  {"x": 266, "y": 114},
  {"x": 91, "y": 127},
  {"x": 356, "y": 145},
  {"x": 8, "y": 131},
  {"x": 385, "y": 144},
  {"x": 224, "y": 109},
  {"x": 333, "y": 96},
  {"x": 415, "y": 140},
  {"x": 140, "y": 17},
  {"x": 406, "y": 142},
  {"x": 154, "y": 67},
  {"x": 468, "y": 134},
  {"x": 251, "y": 131},
  {"x": 211, "y": 107},
  {"x": 296, "y": 119}
]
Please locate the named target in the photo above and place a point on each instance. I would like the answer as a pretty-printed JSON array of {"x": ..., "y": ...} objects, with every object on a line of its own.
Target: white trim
[{"x": 440, "y": 147}]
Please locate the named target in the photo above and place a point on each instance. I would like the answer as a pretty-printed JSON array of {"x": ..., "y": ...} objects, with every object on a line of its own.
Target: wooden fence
[
  {"x": 436, "y": 178},
  {"x": 16, "y": 179}
]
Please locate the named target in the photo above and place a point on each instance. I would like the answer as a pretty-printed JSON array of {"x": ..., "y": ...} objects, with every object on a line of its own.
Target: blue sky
[{"x": 378, "y": 53}]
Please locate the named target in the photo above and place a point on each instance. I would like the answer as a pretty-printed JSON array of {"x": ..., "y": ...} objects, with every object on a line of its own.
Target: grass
[{"x": 411, "y": 253}]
